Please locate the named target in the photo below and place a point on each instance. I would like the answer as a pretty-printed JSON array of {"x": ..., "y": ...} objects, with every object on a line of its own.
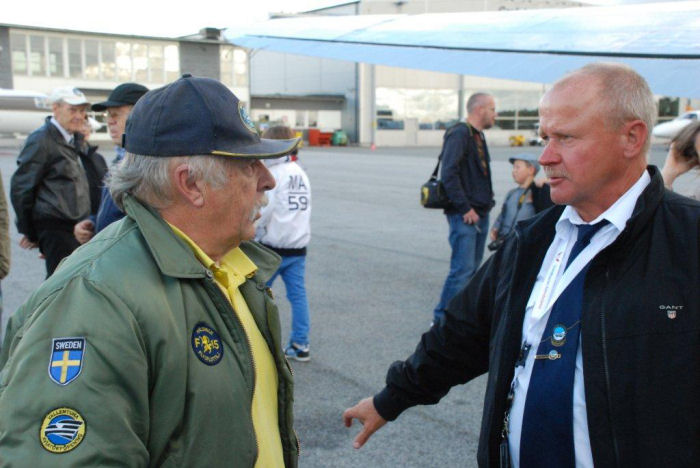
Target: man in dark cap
[
  {"x": 162, "y": 339},
  {"x": 118, "y": 107}
]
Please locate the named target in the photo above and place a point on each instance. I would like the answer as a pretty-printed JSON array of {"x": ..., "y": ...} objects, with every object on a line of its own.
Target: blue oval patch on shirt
[{"x": 206, "y": 344}]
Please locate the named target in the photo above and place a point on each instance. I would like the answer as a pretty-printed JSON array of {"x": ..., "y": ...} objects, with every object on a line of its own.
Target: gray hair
[
  {"x": 147, "y": 178},
  {"x": 624, "y": 94},
  {"x": 475, "y": 100}
]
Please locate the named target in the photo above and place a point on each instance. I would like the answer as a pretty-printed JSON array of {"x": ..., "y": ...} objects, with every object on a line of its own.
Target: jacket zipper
[
  {"x": 607, "y": 376},
  {"x": 210, "y": 275}
]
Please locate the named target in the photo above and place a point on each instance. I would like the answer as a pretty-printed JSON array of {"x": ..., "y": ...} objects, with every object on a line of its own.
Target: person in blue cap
[
  {"x": 117, "y": 107},
  {"x": 528, "y": 198},
  {"x": 157, "y": 343}
]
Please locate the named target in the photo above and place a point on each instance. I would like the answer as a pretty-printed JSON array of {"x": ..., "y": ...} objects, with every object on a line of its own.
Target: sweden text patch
[
  {"x": 206, "y": 344},
  {"x": 66, "y": 359},
  {"x": 62, "y": 430}
]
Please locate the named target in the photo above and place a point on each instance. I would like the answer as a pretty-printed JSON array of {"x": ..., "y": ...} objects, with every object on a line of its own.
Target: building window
[
  {"x": 432, "y": 108},
  {"x": 108, "y": 64},
  {"x": 37, "y": 56},
  {"x": 75, "y": 58},
  {"x": 240, "y": 67},
  {"x": 234, "y": 66},
  {"x": 156, "y": 65},
  {"x": 18, "y": 45},
  {"x": 123, "y": 60},
  {"x": 517, "y": 109},
  {"x": 139, "y": 55},
  {"x": 172, "y": 63},
  {"x": 56, "y": 56},
  {"x": 226, "y": 65},
  {"x": 92, "y": 59}
]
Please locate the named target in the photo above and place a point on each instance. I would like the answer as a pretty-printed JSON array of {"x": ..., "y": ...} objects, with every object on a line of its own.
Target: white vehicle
[
  {"x": 671, "y": 128},
  {"x": 24, "y": 111}
]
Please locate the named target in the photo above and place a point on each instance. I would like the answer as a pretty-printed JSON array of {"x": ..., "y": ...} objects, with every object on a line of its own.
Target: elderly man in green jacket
[{"x": 157, "y": 343}]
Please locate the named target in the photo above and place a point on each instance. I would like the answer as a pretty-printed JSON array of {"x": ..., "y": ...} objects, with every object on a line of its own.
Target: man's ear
[
  {"x": 192, "y": 191},
  {"x": 634, "y": 135}
]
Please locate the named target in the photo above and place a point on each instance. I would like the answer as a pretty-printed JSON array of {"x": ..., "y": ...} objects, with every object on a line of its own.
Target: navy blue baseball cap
[{"x": 196, "y": 116}]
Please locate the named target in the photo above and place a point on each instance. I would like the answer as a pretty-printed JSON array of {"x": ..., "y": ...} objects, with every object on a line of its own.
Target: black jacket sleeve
[
  {"x": 454, "y": 148},
  {"x": 31, "y": 164},
  {"x": 541, "y": 198},
  {"x": 454, "y": 351}
]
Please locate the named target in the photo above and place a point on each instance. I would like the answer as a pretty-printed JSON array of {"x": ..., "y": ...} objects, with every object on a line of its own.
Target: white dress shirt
[
  {"x": 66, "y": 135},
  {"x": 551, "y": 281}
]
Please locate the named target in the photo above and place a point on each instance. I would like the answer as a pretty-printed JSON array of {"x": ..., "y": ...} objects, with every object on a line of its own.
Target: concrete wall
[{"x": 200, "y": 59}]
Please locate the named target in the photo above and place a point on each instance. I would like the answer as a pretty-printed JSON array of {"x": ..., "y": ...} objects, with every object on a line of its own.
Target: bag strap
[{"x": 444, "y": 139}]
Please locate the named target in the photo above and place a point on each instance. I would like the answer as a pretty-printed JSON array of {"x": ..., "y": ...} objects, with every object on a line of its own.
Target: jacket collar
[
  {"x": 539, "y": 230},
  {"x": 57, "y": 136},
  {"x": 175, "y": 258}
]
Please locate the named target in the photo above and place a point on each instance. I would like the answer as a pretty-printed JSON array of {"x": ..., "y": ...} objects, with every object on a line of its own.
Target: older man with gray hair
[
  {"x": 49, "y": 190},
  {"x": 162, "y": 339}
]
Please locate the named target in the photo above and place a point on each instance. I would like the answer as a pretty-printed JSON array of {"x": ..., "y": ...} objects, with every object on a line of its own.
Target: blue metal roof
[{"x": 660, "y": 40}]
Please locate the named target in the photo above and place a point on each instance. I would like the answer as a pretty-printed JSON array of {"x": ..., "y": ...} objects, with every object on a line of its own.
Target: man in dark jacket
[
  {"x": 592, "y": 363},
  {"x": 118, "y": 107},
  {"x": 49, "y": 190},
  {"x": 466, "y": 174}
]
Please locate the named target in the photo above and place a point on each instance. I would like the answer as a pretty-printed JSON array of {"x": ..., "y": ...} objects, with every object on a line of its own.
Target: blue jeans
[
  {"x": 467, "y": 252},
  {"x": 292, "y": 271}
]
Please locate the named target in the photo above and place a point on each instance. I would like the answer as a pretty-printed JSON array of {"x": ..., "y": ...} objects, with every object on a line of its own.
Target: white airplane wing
[{"x": 659, "y": 40}]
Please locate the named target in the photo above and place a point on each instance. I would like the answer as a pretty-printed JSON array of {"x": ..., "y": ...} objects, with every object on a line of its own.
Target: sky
[
  {"x": 160, "y": 18},
  {"x": 157, "y": 18}
]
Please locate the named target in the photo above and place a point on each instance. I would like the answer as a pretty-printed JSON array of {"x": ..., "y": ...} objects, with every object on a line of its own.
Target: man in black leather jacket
[
  {"x": 636, "y": 378},
  {"x": 49, "y": 190}
]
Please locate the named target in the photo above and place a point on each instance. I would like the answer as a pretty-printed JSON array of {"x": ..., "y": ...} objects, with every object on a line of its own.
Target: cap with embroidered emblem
[{"x": 197, "y": 116}]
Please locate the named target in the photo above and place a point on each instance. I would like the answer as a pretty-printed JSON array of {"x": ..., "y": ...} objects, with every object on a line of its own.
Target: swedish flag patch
[{"x": 66, "y": 359}]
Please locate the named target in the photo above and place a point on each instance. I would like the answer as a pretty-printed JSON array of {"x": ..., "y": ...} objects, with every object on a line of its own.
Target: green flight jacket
[{"x": 147, "y": 393}]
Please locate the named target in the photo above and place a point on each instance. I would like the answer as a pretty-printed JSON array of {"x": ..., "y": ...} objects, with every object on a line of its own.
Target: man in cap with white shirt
[{"x": 49, "y": 190}]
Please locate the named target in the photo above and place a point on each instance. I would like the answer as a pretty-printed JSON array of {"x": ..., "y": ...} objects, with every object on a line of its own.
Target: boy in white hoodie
[{"x": 284, "y": 226}]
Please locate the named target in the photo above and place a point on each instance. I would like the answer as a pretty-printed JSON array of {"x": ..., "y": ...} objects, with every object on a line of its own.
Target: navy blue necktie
[{"x": 547, "y": 437}]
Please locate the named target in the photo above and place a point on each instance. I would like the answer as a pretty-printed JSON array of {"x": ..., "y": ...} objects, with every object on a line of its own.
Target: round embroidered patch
[
  {"x": 62, "y": 430},
  {"x": 245, "y": 118},
  {"x": 206, "y": 344}
]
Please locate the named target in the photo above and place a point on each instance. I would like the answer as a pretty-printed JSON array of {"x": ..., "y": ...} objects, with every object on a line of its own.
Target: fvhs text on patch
[{"x": 66, "y": 359}]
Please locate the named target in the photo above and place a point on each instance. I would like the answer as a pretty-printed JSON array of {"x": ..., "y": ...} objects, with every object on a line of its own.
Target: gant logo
[{"x": 671, "y": 310}]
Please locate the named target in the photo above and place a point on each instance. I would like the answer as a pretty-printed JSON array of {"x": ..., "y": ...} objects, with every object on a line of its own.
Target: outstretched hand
[{"x": 367, "y": 414}]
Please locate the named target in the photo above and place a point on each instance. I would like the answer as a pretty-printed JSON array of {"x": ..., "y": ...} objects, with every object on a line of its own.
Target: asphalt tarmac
[{"x": 375, "y": 268}]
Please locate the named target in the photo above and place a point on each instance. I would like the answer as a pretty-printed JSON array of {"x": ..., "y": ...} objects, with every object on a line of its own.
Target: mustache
[
  {"x": 551, "y": 172},
  {"x": 262, "y": 203}
]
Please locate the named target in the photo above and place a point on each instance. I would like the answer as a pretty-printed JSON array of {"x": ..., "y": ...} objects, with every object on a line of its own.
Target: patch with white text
[
  {"x": 66, "y": 359},
  {"x": 62, "y": 430},
  {"x": 206, "y": 344}
]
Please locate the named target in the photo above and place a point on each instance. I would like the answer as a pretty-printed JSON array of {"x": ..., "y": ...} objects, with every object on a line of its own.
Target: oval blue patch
[{"x": 206, "y": 344}]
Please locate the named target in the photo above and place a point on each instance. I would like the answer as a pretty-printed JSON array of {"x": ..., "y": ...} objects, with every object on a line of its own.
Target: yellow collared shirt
[{"x": 230, "y": 273}]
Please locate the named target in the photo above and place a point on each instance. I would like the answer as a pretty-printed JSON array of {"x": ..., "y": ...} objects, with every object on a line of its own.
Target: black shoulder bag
[{"x": 432, "y": 193}]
